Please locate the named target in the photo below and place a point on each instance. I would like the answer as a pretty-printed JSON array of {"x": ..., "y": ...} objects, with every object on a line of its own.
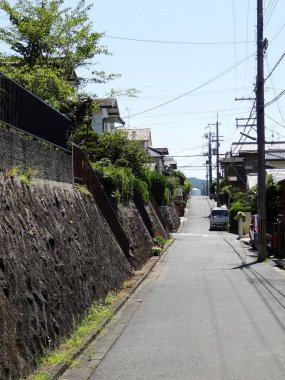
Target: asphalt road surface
[{"x": 207, "y": 311}]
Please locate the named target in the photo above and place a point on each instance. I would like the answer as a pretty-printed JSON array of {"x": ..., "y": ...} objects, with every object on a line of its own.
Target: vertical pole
[
  {"x": 207, "y": 182},
  {"x": 261, "y": 191},
  {"x": 210, "y": 162},
  {"x": 218, "y": 166}
]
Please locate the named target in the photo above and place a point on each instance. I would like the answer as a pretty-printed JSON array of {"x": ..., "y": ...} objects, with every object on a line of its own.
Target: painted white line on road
[{"x": 195, "y": 235}]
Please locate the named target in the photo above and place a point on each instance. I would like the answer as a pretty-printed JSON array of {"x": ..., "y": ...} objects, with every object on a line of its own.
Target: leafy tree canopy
[
  {"x": 181, "y": 176},
  {"x": 116, "y": 147},
  {"x": 43, "y": 32},
  {"x": 50, "y": 40}
]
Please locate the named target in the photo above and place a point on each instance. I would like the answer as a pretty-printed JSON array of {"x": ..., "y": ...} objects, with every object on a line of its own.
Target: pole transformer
[{"x": 261, "y": 192}]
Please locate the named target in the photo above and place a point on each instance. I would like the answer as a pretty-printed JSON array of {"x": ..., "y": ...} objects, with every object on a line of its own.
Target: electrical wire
[
  {"x": 195, "y": 113},
  {"x": 194, "y": 89},
  {"x": 235, "y": 46},
  {"x": 273, "y": 86},
  {"x": 181, "y": 121},
  {"x": 275, "y": 99},
  {"x": 270, "y": 13},
  {"x": 162, "y": 96},
  {"x": 176, "y": 42},
  {"x": 269, "y": 117},
  {"x": 279, "y": 31},
  {"x": 274, "y": 67},
  {"x": 246, "y": 50},
  {"x": 249, "y": 118}
]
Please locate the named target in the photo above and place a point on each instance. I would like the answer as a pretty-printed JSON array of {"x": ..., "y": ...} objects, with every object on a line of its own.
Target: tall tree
[{"x": 46, "y": 40}]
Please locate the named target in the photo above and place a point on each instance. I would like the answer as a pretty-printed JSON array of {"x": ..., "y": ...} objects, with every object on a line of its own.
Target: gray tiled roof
[
  {"x": 232, "y": 160},
  {"x": 276, "y": 156},
  {"x": 106, "y": 102},
  {"x": 143, "y": 134},
  {"x": 111, "y": 105},
  {"x": 252, "y": 147}
]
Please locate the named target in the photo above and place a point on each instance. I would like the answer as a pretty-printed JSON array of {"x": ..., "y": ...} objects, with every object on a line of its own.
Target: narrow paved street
[{"x": 203, "y": 313}]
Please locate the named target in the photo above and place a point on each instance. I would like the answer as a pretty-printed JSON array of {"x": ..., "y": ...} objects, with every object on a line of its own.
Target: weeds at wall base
[
  {"x": 25, "y": 174},
  {"x": 98, "y": 312}
]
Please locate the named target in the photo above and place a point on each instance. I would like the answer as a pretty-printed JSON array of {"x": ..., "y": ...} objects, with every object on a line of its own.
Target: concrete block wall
[{"x": 16, "y": 149}]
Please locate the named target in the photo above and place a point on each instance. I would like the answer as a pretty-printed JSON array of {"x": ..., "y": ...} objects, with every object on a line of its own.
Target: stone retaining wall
[
  {"x": 57, "y": 256},
  {"x": 171, "y": 218},
  {"x": 137, "y": 233}
]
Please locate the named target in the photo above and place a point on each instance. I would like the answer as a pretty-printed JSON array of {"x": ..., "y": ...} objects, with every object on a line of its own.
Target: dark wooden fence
[
  {"x": 22, "y": 110},
  {"x": 84, "y": 174}
]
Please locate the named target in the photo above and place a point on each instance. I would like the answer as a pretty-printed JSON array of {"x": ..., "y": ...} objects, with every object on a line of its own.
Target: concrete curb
[{"x": 55, "y": 372}]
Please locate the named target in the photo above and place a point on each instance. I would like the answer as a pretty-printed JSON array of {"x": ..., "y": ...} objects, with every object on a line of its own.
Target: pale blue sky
[{"x": 164, "y": 71}]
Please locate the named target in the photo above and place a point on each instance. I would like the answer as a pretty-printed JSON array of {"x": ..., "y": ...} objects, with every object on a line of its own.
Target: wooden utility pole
[
  {"x": 261, "y": 192},
  {"x": 210, "y": 162},
  {"x": 218, "y": 166}
]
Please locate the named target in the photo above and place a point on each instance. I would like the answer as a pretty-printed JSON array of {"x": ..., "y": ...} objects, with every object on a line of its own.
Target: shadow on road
[{"x": 246, "y": 265}]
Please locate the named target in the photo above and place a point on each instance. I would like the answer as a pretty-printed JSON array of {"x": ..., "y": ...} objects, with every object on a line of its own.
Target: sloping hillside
[{"x": 198, "y": 184}]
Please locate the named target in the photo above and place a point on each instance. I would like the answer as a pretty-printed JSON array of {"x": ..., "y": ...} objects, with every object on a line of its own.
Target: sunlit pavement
[{"x": 208, "y": 310}]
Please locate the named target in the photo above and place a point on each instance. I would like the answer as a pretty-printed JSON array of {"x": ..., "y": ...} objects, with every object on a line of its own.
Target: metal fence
[
  {"x": 83, "y": 173},
  {"x": 22, "y": 110}
]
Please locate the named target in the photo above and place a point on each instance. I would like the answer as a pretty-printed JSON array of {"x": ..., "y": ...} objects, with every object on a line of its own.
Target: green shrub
[
  {"x": 142, "y": 189},
  {"x": 158, "y": 186},
  {"x": 234, "y": 209},
  {"x": 167, "y": 197},
  {"x": 156, "y": 251},
  {"x": 186, "y": 189},
  {"x": 118, "y": 183},
  {"x": 159, "y": 241}
]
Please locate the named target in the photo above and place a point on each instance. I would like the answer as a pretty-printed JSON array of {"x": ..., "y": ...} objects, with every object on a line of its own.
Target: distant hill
[{"x": 198, "y": 184}]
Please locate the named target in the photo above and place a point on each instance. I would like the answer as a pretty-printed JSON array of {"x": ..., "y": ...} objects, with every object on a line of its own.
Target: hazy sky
[{"x": 217, "y": 36}]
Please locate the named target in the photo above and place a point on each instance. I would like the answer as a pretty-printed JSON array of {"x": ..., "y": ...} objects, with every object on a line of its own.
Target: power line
[
  {"x": 181, "y": 121},
  {"x": 178, "y": 42},
  {"x": 270, "y": 12},
  {"x": 246, "y": 51},
  {"x": 274, "y": 88},
  {"x": 274, "y": 67},
  {"x": 235, "y": 46},
  {"x": 198, "y": 112},
  {"x": 275, "y": 99},
  {"x": 162, "y": 96},
  {"x": 269, "y": 117},
  {"x": 279, "y": 30},
  {"x": 194, "y": 89}
]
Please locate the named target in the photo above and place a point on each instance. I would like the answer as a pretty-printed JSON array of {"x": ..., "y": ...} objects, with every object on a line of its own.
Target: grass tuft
[{"x": 90, "y": 324}]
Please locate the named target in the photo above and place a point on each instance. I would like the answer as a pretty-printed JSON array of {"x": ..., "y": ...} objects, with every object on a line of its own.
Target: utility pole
[
  {"x": 207, "y": 180},
  {"x": 210, "y": 139},
  {"x": 210, "y": 161},
  {"x": 218, "y": 166},
  {"x": 261, "y": 192}
]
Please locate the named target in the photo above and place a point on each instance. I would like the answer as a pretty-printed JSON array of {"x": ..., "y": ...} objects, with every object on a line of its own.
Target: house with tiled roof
[
  {"x": 143, "y": 135},
  {"x": 241, "y": 161}
]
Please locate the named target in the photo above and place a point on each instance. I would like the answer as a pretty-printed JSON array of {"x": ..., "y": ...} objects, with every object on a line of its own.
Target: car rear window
[{"x": 220, "y": 212}]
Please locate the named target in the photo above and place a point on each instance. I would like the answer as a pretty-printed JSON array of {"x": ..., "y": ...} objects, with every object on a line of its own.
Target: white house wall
[{"x": 96, "y": 123}]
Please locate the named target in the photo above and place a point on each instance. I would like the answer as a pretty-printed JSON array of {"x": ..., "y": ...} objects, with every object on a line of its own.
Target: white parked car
[{"x": 219, "y": 218}]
